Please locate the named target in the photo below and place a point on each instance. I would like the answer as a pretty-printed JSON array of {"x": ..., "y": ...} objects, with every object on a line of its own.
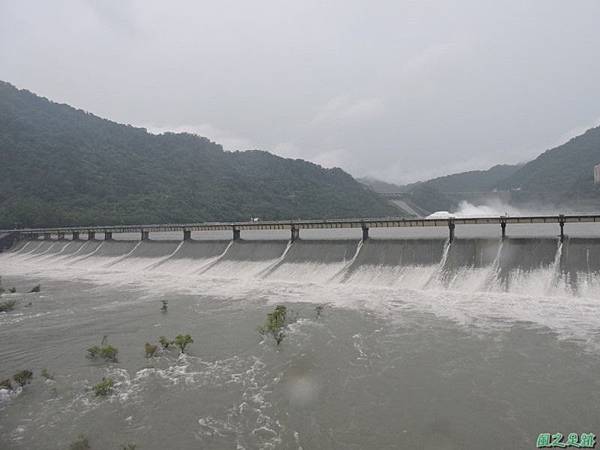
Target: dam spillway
[{"x": 526, "y": 265}]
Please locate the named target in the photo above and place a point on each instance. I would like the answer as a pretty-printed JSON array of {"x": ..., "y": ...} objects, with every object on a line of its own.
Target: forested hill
[
  {"x": 63, "y": 166},
  {"x": 564, "y": 170},
  {"x": 473, "y": 181}
]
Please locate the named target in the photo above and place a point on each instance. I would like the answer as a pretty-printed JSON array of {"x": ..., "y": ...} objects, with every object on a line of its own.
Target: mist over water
[{"x": 421, "y": 344}]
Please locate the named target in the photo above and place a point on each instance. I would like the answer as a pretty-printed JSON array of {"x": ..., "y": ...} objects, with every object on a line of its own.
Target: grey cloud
[{"x": 401, "y": 90}]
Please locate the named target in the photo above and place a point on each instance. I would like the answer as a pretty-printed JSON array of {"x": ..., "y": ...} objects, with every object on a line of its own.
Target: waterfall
[
  {"x": 555, "y": 268},
  {"x": 437, "y": 277},
  {"x": 339, "y": 276}
]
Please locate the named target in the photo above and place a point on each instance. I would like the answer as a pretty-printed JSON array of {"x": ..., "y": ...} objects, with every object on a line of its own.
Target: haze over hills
[
  {"x": 560, "y": 178},
  {"x": 63, "y": 166}
]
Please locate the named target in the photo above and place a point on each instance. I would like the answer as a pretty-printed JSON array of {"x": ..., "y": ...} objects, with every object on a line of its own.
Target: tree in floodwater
[
  {"x": 182, "y": 341},
  {"x": 275, "y": 324}
]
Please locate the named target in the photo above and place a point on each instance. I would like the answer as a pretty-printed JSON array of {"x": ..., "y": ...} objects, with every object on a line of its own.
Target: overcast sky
[{"x": 399, "y": 90}]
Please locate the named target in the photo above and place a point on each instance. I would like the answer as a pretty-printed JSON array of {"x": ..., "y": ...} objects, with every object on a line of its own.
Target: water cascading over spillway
[{"x": 528, "y": 266}]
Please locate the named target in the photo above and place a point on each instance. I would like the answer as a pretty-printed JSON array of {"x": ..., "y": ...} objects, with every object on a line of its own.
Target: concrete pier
[
  {"x": 236, "y": 234},
  {"x": 108, "y": 236},
  {"x": 295, "y": 233},
  {"x": 145, "y": 235},
  {"x": 187, "y": 235},
  {"x": 451, "y": 228},
  {"x": 365, "y": 232},
  {"x": 75, "y": 235},
  {"x": 91, "y": 235}
]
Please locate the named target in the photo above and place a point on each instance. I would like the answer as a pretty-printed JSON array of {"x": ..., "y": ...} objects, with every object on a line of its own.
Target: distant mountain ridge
[
  {"x": 561, "y": 177},
  {"x": 472, "y": 181},
  {"x": 565, "y": 169},
  {"x": 63, "y": 166}
]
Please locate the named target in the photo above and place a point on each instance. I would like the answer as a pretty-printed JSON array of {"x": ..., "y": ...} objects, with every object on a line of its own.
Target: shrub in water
[
  {"x": 104, "y": 388},
  {"x": 164, "y": 342},
  {"x": 81, "y": 443},
  {"x": 12, "y": 290},
  {"x": 182, "y": 341},
  {"x": 104, "y": 351},
  {"x": 276, "y": 321},
  {"x": 150, "y": 349},
  {"x": 5, "y": 384},
  {"x": 36, "y": 288},
  {"x": 164, "y": 306},
  {"x": 319, "y": 310},
  {"x": 23, "y": 377},
  {"x": 8, "y": 305},
  {"x": 47, "y": 375}
]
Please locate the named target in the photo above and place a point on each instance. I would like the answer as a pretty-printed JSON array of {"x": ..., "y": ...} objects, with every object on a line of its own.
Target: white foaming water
[
  {"x": 419, "y": 275},
  {"x": 331, "y": 264},
  {"x": 187, "y": 260},
  {"x": 246, "y": 260}
]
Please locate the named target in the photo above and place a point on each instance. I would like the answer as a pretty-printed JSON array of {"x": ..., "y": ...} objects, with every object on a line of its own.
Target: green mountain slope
[
  {"x": 380, "y": 186},
  {"x": 63, "y": 166},
  {"x": 472, "y": 181},
  {"x": 563, "y": 170}
]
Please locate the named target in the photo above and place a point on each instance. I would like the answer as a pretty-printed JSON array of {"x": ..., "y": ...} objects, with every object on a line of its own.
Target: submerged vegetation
[
  {"x": 36, "y": 288},
  {"x": 103, "y": 351},
  {"x": 275, "y": 324},
  {"x": 8, "y": 305},
  {"x": 150, "y": 349},
  {"x": 23, "y": 377},
  {"x": 11, "y": 290},
  {"x": 319, "y": 310},
  {"x": 165, "y": 305},
  {"x": 82, "y": 443},
  {"x": 47, "y": 375},
  {"x": 104, "y": 388},
  {"x": 164, "y": 342}
]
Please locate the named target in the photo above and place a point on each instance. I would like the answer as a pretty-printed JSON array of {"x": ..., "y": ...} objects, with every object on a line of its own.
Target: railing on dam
[{"x": 296, "y": 225}]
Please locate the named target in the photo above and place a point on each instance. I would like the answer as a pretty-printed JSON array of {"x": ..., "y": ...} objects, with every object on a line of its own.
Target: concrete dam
[{"x": 555, "y": 265}]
